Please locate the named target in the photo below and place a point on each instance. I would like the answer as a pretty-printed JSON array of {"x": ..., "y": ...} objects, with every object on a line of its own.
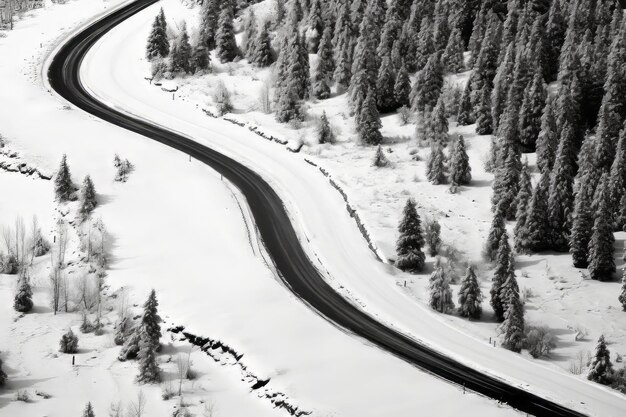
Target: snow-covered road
[{"x": 111, "y": 73}]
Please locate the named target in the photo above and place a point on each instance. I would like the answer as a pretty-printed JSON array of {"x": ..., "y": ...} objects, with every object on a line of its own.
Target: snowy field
[
  {"x": 557, "y": 295},
  {"x": 176, "y": 227}
]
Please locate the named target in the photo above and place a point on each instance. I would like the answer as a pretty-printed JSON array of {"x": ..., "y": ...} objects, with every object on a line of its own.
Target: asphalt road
[{"x": 277, "y": 232}]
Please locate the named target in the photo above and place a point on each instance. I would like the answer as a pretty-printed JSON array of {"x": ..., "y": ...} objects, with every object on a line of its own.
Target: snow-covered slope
[{"x": 331, "y": 233}]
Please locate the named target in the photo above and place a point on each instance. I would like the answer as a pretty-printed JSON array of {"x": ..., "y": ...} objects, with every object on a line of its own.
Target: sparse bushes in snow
[
  {"x": 124, "y": 168},
  {"x": 539, "y": 341},
  {"x": 68, "y": 342}
]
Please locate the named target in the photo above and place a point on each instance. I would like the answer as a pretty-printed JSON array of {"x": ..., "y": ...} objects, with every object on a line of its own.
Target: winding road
[{"x": 278, "y": 234}]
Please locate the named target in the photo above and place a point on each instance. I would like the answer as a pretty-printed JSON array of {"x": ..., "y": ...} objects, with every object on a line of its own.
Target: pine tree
[
  {"x": 582, "y": 223},
  {"x": 402, "y": 87},
  {"x": 63, "y": 185},
  {"x": 380, "y": 160},
  {"x": 325, "y": 133},
  {"x": 500, "y": 275},
  {"x": 440, "y": 292},
  {"x": 88, "y": 199},
  {"x": 433, "y": 237},
  {"x": 484, "y": 119},
  {"x": 343, "y": 47},
  {"x": 522, "y": 203},
  {"x": 437, "y": 129},
  {"x": 262, "y": 54},
  {"x": 452, "y": 58},
  {"x": 316, "y": 26},
  {"x": 149, "y": 341},
  {"x": 209, "y": 14},
  {"x": 385, "y": 83},
  {"x": 435, "y": 168},
  {"x": 280, "y": 12},
  {"x": 249, "y": 34},
  {"x": 425, "y": 44},
  {"x": 225, "y": 43},
  {"x": 89, "y": 411},
  {"x": 534, "y": 235},
  {"x": 158, "y": 44},
  {"x": 365, "y": 62},
  {"x": 369, "y": 121},
  {"x": 321, "y": 89},
  {"x": 460, "y": 169},
  {"x": 506, "y": 183},
  {"x": 501, "y": 84},
  {"x": 465, "y": 116},
  {"x": 487, "y": 61},
  {"x": 496, "y": 231},
  {"x": 510, "y": 284},
  {"x": 326, "y": 62},
  {"x": 410, "y": 242},
  {"x": 200, "y": 58},
  {"x": 555, "y": 33},
  {"x": 531, "y": 112},
  {"x": 617, "y": 178},
  {"x": 470, "y": 296},
  {"x": 23, "y": 301},
  {"x": 622, "y": 296},
  {"x": 601, "y": 370},
  {"x": 428, "y": 84},
  {"x": 601, "y": 261},
  {"x": 513, "y": 325},
  {"x": 181, "y": 53},
  {"x": 547, "y": 141}
]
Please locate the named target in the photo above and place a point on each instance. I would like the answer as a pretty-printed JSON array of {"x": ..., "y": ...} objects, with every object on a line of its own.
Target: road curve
[{"x": 277, "y": 232}]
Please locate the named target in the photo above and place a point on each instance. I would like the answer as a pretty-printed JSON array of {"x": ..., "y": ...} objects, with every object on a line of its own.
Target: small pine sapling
[{"x": 380, "y": 160}]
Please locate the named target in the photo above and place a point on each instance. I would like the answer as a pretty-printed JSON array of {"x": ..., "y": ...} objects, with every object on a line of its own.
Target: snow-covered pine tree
[
  {"x": 496, "y": 231},
  {"x": 428, "y": 84},
  {"x": 23, "y": 301},
  {"x": 522, "y": 203},
  {"x": 513, "y": 326},
  {"x": 435, "y": 167},
  {"x": 487, "y": 61},
  {"x": 364, "y": 60},
  {"x": 470, "y": 296},
  {"x": 582, "y": 222},
  {"x": 506, "y": 183},
  {"x": 149, "y": 341},
  {"x": 316, "y": 26},
  {"x": 63, "y": 185},
  {"x": 425, "y": 44},
  {"x": 555, "y": 33},
  {"x": 158, "y": 44},
  {"x": 501, "y": 84},
  {"x": 280, "y": 12},
  {"x": 402, "y": 87},
  {"x": 601, "y": 369},
  {"x": 369, "y": 121},
  {"x": 249, "y": 34},
  {"x": 484, "y": 119},
  {"x": 465, "y": 116},
  {"x": 88, "y": 199},
  {"x": 548, "y": 139},
  {"x": 180, "y": 58},
  {"x": 225, "y": 43},
  {"x": 342, "y": 45},
  {"x": 440, "y": 292},
  {"x": 452, "y": 58},
  {"x": 531, "y": 112},
  {"x": 622, "y": 295},
  {"x": 601, "y": 260},
  {"x": 200, "y": 58},
  {"x": 262, "y": 54},
  {"x": 460, "y": 169},
  {"x": 534, "y": 235},
  {"x": 326, "y": 62},
  {"x": 321, "y": 89},
  {"x": 409, "y": 253},
  {"x": 209, "y": 14},
  {"x": 510, "y": 284},
  {"x": 325, "y": 133},
  {"x": 437, "y": 129},
  {"x": 380, "y": 160},
  {"x": 89, "y": 411},
  {"x": 68, "y": 342},
  {"x": 385, "y": 83},
  {"x": 617, "y": 178},
  {"x": 500, "y": 275},
  {"x": 433, "y": 237}
]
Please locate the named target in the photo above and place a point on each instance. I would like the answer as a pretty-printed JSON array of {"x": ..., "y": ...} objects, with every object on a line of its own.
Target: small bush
[
  {"x": 221, "y": 96},
  {"x": 404, "y": 114},
  {"x": 22, "y": 395},
  {"x": 539, "y": 341},
  {"x": 124, "y": 168},
  {"x": 68, "y": 342},
  {"x": 380, "y": 160},
  {"x": 619, "y": 380}
]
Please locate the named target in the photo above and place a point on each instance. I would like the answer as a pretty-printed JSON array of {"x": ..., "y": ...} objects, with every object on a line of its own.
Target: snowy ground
[
  {"x": 561, "y": 297},
  {"x": 175, "y": 226}
]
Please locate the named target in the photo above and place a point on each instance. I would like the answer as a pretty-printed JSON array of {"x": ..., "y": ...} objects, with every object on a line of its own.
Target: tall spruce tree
[
  {"x": 483, "y": 112},
  {"x": 23, "y": 301},
  {"x": 200, "y": 58},
  {"x": 63, "y": 185},
  {"x": 149, "y": 341},
  {"x": 465, "y": 116},
  {"x": 428, "y": 84},
  {"x": 249, "y": 34},
  {"x": 470, "y": 296},
  {"x": 435, "y": 167},
  {"x": 385, "y": 83},
  {"x": 158, "y": 44},
  {"x": 601, "y": 368},
  {"x": 440, "y": 293},
  {"x": 510, "y": 284},
  {"x": 522, "y": 203},
  {"x": 88, "y": 199},
  {"x": 534, "y": 236},
  {"x": 500, "y": 275},
  {"x": 209, "y": 14},
  {"x": 497, "y": 229},
  {"x": 601, "y": 260},
  {"x": 582, "y": 223},
  {"x": 225, "y": 43},
  {"x": 531, "y": 112},
  {"x": 555, "y": 33},
  {"x": 365, "y": 62},
  {"x": 181, "y": 53},
  {"x": 460, "y": 169},
  {"x": 411, "y": 240},
  {"x": 369, "y": 121},
  {"x": 452, "y": 57},
  {"x": 513, "y": 325},
  {"x": 501, "y": 84},
  {"x": 402, "y": 87},
  {"x": 262, "y": 54},
  {"x": 547, "y": 141}
]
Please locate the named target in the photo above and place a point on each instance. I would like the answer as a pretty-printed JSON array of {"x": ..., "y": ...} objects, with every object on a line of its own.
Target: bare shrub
[
  {"x": 137, "y": 408},
  {"x": 579, "y": 363},
  {"x": 23, "y": 396},
  {"x": 539, "y": 341},
  {"x": 167, "y": 392}
]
